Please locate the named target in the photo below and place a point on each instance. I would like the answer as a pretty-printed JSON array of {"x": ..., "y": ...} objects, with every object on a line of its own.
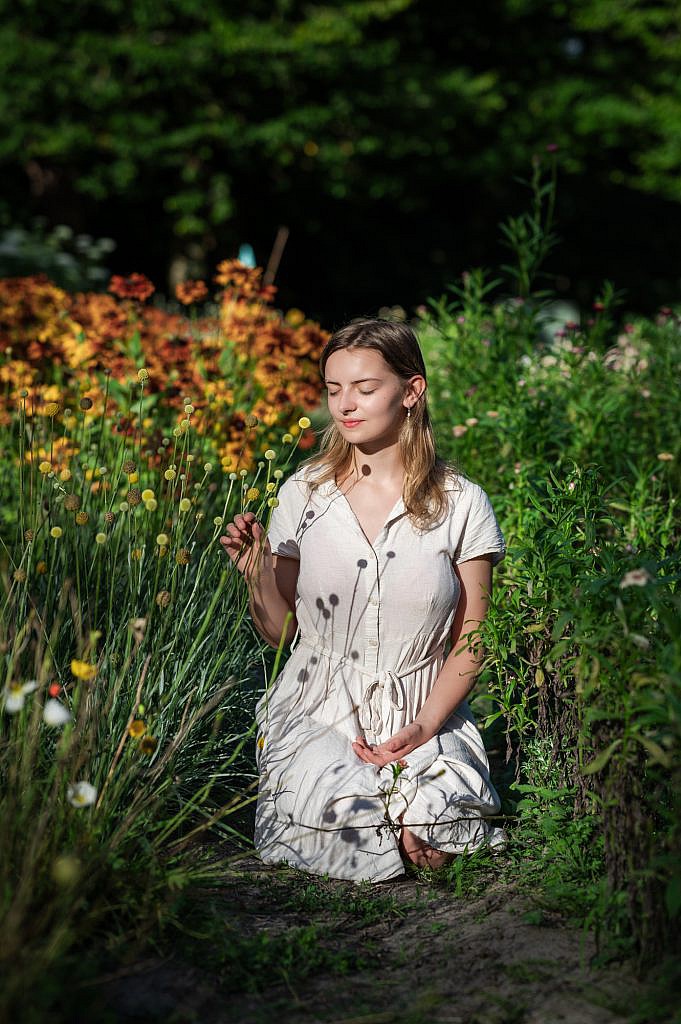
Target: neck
[{"x": 382, "y": 467}]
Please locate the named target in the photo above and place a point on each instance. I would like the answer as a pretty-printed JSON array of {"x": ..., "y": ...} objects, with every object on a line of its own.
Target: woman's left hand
[{"x": 394, "y": 749}]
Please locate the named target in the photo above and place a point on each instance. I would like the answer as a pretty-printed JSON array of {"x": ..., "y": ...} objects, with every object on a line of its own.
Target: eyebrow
[{"x": 363, "y": 380}]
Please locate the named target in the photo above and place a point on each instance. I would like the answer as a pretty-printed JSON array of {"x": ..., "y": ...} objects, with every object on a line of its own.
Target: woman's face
[{"x": 366, "y": 398}]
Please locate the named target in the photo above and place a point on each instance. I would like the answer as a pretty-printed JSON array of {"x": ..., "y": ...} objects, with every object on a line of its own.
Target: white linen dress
[{"x": 373, "y": 621}]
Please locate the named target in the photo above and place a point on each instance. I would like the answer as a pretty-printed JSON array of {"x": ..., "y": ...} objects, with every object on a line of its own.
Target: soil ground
[{"x": 323, "y": 951}]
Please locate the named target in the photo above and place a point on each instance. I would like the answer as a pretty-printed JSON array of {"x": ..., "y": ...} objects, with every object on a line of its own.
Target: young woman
[{"x": 381, "y": 556}]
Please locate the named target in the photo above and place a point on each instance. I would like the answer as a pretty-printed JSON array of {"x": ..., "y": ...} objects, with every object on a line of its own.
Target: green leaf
[{"x": 599, "y": 762}]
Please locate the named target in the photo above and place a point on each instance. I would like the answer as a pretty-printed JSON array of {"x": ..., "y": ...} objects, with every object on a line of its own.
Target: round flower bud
[
  {"x": 124, "y": 507},
  {"x": 185, "y": 505},
  {"x": 147, "y": 494},
  {"x": 189, "y": 409},
  {"x": 278, "y": 474},
  {"x": 304, "y": 422},
  {"x": 142, "y": 375},
  {"x": 65, "y": 475},
  {"x": 251, "y": 420},
  {"x": 287, "y": 438},
  {"x": 100, "y": 538},
  {"x": 273, "y": 502},
  {"x": 151, "y": 505},
  {"x": 56, "y": 532},
  {"x": 208, "y": 467},
  {"x": 252, "y": 494},
  {"x": 162, "y": 540},
  {"x": 271, "y": 486},
  {"x": 45, "y": 467},
  {"x": 86, "y": 403},
  {"x": 170, "y": 474},
  {"x": 217, "y": 521},
  {"x": 269, "y": 455}
]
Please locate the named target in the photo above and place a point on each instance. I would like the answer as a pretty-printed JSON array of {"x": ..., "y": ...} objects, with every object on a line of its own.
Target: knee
[{"x": 418, "y": 852}]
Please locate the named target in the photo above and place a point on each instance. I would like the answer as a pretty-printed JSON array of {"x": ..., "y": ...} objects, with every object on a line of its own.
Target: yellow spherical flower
[
  {"x": 278, "y": 474},
  {"x": 137, "y": 729},
  {"x": 295, "y": 430},
  {"x": 252, "y": 494},
  {"x": 133, "y": 478},
  {"x": 287, "y": 438},
  {"x": 124, "y": 507},
  {"x": 41, "y": 568},
  {"x": 304, "y": 422},
  {"x": 273, "y": 502},
  {"x": 271, "y": 486},
  {"x": 162, "y": 540},
  {"x": 82, "y": 518},
  {"x": 136, "y": 554},
  {"x": 185, "y": 505},
  {"x": 170, "y": 474},
  {"x": 217, "y": 521},
  {"x": 56, "y": 532},
  {"x": 269, "y": 455},
  {"x": 147, "y": 494},
  {"x": 100, "y": 538},
  {"x": 83, "y": 670},
  {"x": 19, "y": 575},
  {"x": 189, "y": 409},
  {"x": 51, "y": 409},
  {"x": 65, "y": 475},
  {"x": 151, "y": 505},
  {"x": 190, "y": 458},
  {"x": 142, "y": 375},
  {"x": 45, "y": 467},
  {"x": 208, "y": 467},
  {"x": 163, "y": 598}
]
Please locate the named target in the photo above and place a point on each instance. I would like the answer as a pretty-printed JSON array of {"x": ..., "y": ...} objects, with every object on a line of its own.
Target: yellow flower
[
  {"x": 162, "y": 540},
  {"x": 269, "y": 455},
  {"x": 147, "y": 494},
  {"x": 287, "y": 439},
  {"x": 41, "y": 568},
  {"x": 83, "y": 670},
  {"x": 170, "y": 474},
  {"x": 100, "y": 538},
  {"x": 185, "y": 505},
  {"x": 665, "y": 456},
  {"x": 183, "y": 556},
  {"x": 136, "y": 554},
  {"x": 252, "y": 494},
  {"x": 271, "y": 486},
  {"x": 142, "y": 375},
  {"x": 217, "y": 521},
  {"x": 189, "y": 409},
  {"x": 56, "y": 532},
  {"x": 208, "y": 467},
  {"x": 82, "y": 518},
  {"x": 273, "y": 502},
  {"x": 133, "y": 477},
  {"x": 151, "y": 505},
  {"x": 304, "y": 422},
  {"x": 51, "y": 409},
  {"x": 137, "y": 729},
  {"x": 124, "y": 507},
  {"x": 45, "y": 467},
  {"x": 278, "y": 474},
  {"x": 65, "y": 475},
  {"x": 261, "y": 742}
]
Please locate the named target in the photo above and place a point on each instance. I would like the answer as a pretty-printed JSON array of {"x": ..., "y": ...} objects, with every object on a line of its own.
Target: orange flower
[
  {"x": 191, "y": 291},
  {"x": 134, "y": 286}
]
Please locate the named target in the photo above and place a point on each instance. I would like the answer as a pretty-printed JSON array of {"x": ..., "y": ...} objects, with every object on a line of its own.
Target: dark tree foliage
[{"x": 385, "y": 133}]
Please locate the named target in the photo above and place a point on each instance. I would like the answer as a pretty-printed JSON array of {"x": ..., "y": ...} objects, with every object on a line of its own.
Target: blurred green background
[{"x": 385, "y": 135}]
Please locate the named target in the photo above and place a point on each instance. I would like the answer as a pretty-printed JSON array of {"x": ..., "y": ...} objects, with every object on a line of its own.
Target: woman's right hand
[{"x": 247, "y": 545}]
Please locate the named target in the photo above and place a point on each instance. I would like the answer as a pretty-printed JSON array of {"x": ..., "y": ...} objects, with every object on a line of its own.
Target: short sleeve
[
  {"x": 478, "y": 529},
  {"x": 283, "y": 528}
]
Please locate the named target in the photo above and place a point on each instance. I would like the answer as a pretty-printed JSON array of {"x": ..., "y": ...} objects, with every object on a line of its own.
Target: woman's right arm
[{"x": 271, "y": 579}]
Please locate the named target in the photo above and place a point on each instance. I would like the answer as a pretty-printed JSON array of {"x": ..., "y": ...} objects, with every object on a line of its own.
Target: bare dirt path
[{"x": 290, "y": 949}]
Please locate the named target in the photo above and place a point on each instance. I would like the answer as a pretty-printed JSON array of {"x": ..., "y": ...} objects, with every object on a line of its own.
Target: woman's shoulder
[
  {"x": 303, "y": 480},
  {"x": 463, "y": 491}
]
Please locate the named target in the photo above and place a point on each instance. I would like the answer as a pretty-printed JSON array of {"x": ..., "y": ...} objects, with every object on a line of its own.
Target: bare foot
[{"x": 418, "y": 852}]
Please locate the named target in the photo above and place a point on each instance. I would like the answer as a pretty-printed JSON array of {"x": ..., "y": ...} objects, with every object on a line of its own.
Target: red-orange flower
[
  {"x": 134, "y": 286},
  {"x": 191, "y": 291}
]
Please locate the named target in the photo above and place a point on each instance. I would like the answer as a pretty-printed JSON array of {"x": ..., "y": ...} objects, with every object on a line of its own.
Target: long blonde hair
[{"x": 424, "y": 472}]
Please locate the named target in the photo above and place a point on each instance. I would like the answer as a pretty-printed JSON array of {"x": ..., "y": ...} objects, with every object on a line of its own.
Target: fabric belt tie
[{"x": 384, "y": 694}]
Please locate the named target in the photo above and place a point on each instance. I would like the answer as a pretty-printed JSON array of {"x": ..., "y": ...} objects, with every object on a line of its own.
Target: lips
[{"x": 351, "y": 423}]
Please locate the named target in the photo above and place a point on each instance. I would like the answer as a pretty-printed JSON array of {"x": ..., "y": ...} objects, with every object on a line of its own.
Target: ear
[{"x": 416, "y": 386}]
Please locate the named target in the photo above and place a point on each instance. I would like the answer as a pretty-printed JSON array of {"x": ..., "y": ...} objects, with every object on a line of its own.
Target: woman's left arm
[{"x": 458, "y": 673}]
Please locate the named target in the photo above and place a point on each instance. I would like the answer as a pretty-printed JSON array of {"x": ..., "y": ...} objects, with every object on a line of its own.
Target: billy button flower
[
  {"x": 183, "y": 556},
  {"x": 56, "y": 532},
  {"x": 133, "y": 497},
  {"x": 137, "y": 729},
  {"x": 151, "y": 505},
  {"x": 287, "y": 439},
  {"x": 273, "y": 502},
  {"x": 82, "y": 518},
  {"x": 163, "y": 598},
  {"x": 304, "y": 422},
  {"x": 252, "y": 494},
  {"x": 148, "y": 494},
  {"x": 19, "y": 575},
  {"x": 45, "y": 467},
  {"x": 71, "y": 502},
  {"x": 142, "y": 375},
  {"x": 170, "y": 474},
  {"x": 270, "y": 454},
  {"x": 185, "y": 505},
  {"x": 129, "y": 466},
  {"x": 83, "y": 670},
  {"x": 100, "y": 538},
  {"x": 41, "y": 568},
  {"x": 51, "y": 409}
]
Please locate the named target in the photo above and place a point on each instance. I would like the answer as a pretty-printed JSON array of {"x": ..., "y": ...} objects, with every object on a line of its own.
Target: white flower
[
  {"x": 81, "y": 794},
  {"x": 636, "y": 578},
  {"x": 54, "y": 713},
  {"x": 15, "y": 694}
]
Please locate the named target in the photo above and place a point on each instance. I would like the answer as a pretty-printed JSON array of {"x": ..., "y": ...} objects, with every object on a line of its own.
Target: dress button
[
  {"x": 373, "y": 600},
  {"x": 372, "y": 642}
]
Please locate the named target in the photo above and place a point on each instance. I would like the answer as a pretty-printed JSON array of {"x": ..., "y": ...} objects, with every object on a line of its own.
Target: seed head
[
  {"x": 29, "y": 535},
  {"x": 109, "y": 518},
  {"x": 71, "y": 502},
  {"x": 251, "y": 420},
  {"x": 148, "y": 745},
  {"x": 86, "y": 403},
  {"x": 19, "y": 575},
  {"x": 137, "y": 729},
  {"x": 129, "y": 466},
  {"x": 183, "y": 556},
  {"x": 41, "y": 568},
  {"x": 82, "y": 518},
  {"x": 133, "y": 497},
  {"x": 51, "y": 409},
  {"x": 142, "y": 375}
]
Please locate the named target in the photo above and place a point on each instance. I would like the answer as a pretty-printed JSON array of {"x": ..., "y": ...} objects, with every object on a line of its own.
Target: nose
[{"x": 347, "y": 403}]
